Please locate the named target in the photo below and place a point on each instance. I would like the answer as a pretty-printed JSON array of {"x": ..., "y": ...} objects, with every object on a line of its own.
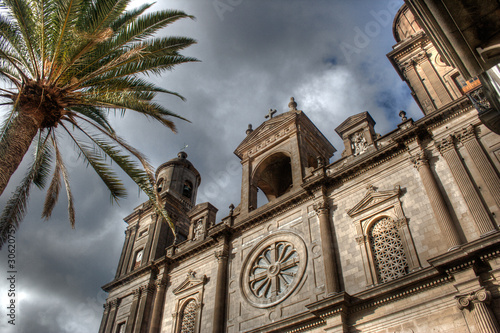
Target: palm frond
[
  {"x": 43, "y": 169},
  {"x": 15, "y": 209},
  {"x": 21, "y": 12},
  {"x": 55, "y": 186},
  {"x": 97, "y": 162}
]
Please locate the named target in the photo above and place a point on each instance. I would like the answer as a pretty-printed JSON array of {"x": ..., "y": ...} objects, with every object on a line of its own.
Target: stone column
[
  {"x": 439, "y": 207},
  {"x": 151, "y": 234},
  {"x": 221, "y": 287},
  {"x": 161, "y": 285},
  {"x": 133, "y": 311},
  {"x": 113, "y": 306},
  {"x": 329, "y": 260},
  {"x": 470, "y": 195},
  {"x": 104, "y": 319},
  {"x": 142, "y": 322},
  {"x": 483, "y": 164},
  {"x": 477, "y": 303},
  {"x": 124, "y": 252}
]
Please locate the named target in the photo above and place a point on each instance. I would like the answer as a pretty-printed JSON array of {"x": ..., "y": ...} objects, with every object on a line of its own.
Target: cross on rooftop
[{"x": 270, "y": 114}]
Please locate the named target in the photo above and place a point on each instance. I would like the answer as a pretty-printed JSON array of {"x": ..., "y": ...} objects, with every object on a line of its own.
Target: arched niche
[{"x": 273, "y": 176}]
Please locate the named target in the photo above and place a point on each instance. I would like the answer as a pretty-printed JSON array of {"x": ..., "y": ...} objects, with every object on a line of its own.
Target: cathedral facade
[{"x": 401, "y": 234}]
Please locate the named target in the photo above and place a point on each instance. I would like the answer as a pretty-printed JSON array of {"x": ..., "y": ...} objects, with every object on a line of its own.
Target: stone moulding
[{"x": 273, "y": 269}]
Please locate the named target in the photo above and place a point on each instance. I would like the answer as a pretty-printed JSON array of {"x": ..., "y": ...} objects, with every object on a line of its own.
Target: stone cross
[{"x": 270, "y": 114}]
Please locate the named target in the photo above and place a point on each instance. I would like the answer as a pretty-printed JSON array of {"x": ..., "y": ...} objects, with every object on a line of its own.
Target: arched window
[
  {"x": 187, "y": 190},
  {"x": 388, "y": 253},
  {"x": 188, "y": 317},
  {"x": 138, "y": 258},
  {"x": 159, "y": 187}
]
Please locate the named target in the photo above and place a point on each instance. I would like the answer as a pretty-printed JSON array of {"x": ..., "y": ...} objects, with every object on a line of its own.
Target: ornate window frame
[
  {"x": 377, "y": 205},
  {"x": 289, "y": 264},
  {"x": 191, "y": 289}
]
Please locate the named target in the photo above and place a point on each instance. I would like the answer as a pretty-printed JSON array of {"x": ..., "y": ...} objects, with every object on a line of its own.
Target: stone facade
[{"x": 400, "y": 234}]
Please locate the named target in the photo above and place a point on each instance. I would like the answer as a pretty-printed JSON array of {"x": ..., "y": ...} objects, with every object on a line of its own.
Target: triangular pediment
[
  {"x": 372, "y": 199},
  {"x": 190, "y": 282},
  {"x": 354, "y": 121},
  {"x": 266, "y": 129}
]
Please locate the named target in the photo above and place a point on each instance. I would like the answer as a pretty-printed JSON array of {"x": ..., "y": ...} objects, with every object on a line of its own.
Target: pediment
[
  {"x": 266, "y": 129},
  {"x": 190, "y": 282},
  {"x": 373, "y": 198},
  {"x": 354, "y": 121}
]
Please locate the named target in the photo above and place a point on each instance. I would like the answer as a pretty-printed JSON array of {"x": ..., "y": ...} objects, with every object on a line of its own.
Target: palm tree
[{"x": 65, "y": 65}]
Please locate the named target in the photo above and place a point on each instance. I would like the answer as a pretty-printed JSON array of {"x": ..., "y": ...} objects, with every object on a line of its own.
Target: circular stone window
[{"x": 273, "y": 269}]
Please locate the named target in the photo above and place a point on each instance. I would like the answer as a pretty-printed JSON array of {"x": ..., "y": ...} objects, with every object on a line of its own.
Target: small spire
[
  {"x": 292, "y": 105},
  {"x": 402, "y": 114},
  {"x": 249, "y": 129},
  {"x": 182, "y": 155}
]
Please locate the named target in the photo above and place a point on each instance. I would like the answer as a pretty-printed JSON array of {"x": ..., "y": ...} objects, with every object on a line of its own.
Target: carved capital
[
  {"x": 446, "y": 144},
  {"x": 406, "y": 65},
  {"x": 420, "y": 57},
  {"x": 112, "y": 303},
  {"x": 400, "y": 223},
  {"x": 137, "y": 292},
  {"x": 419, "y": 160},
  {"x": 464, "y": 301},
  {"x": 467, "y": 134},
  {"x": 361, "y": 239},
  {"x": 147, "y": 289},
  {"x": 321, "y": 207},
  {"x": 221, "y": 254}
]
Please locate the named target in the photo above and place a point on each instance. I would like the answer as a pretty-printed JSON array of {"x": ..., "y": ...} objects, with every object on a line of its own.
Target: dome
[
  {"x": 404, "y": 25},
  {"x": 180, "y": 160}
]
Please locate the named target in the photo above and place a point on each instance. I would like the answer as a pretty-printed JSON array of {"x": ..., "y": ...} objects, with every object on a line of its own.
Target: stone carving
[
  {"x": 358, "y": 143},
  {"x": 292, "y": 105},
  {"x": 198, "y": 230},
  {"x": 419, "y": 160},
  {"x": 388, "y": 252},
  {"x": 274, "y": 269},
  {"x": 466, "y": 300},
  {"x": 446, "y": 144}
]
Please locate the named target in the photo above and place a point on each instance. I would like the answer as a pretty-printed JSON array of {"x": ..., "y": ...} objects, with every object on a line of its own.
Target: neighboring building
[
  {"x": 401, "y": 234},
  {"x": 466, "y": 34}
]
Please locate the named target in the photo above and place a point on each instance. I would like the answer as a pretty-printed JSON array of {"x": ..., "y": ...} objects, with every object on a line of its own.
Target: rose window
[
  {"x": 274, "y": 269},
  {"x": 388, "y": 251}
]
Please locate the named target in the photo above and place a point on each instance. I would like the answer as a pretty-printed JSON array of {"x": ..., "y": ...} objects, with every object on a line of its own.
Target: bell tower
[
  {"x": 279, "y": 154},
  {"x": 179, "y": 178}
]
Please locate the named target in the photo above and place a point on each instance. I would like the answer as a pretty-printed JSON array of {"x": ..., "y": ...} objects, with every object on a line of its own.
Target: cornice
[{"x": 151, "y": 268}]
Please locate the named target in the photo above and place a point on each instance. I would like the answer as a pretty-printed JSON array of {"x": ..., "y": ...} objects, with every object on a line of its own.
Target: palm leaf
[{"x": 15, "y": 209}]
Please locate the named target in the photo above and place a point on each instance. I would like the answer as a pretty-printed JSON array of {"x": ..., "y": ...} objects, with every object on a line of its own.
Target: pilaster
[
  {"x": 160, "y": 284},
  {"x": 126, "y": 263},
  {"x": 438, "y": 204},
  {"x": 329, "y": 261},
  {"x": 124, "y": 252},
  {"x": 113, "y": 306},
  {"x": 477, "y": 302},
  {"x": 467, "y": 188},
  {"x": 220, "y": 288},
  {"x": 133, "y": 311},
  {"x": 481, "y": 161},
  {"x": 142, "y": 322},
  {"x": 104, "y": 319}
]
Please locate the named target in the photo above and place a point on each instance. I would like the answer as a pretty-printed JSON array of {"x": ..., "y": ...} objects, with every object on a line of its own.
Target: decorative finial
[
  {"x": 231, "y": 209},
  {"x": 270, "y": 114},
  {"x": 292, "y": 105},
  {"x": 402, "y": 114},
  {"x": 249, "y": 129},
  {"x": 182, "y": 155}
]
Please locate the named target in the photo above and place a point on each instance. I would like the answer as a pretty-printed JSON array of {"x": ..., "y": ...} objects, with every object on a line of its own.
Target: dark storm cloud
[{"x": 256, "y": 54}]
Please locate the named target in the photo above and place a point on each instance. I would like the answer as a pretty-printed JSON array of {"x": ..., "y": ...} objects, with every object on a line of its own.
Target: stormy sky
[{"x": 255, "y": 54}]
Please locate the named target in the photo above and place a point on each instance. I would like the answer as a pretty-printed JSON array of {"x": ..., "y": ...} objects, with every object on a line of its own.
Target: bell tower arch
[{"x": 279, "y": 154}]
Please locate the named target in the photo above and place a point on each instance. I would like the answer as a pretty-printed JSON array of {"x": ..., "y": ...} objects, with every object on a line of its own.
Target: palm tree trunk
[{"x": 14, "y": 145}]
